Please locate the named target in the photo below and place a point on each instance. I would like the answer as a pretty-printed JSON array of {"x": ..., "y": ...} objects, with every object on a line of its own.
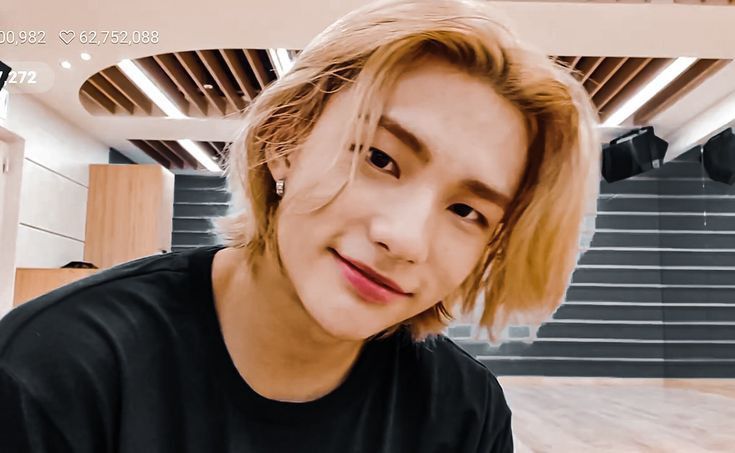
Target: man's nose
[{"x": 404, "y": 226}]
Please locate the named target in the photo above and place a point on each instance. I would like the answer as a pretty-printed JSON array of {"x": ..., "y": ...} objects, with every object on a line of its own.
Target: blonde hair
[{"x": 526, "y": 269}]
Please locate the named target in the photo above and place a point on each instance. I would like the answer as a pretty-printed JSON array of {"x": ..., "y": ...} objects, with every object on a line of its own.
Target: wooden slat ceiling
[
  {"x": 218, "y": 83},
  {"x": 611, "y": 81},
  {"x": 201, "y": 83},
  {"x": 173, "y": 156}
]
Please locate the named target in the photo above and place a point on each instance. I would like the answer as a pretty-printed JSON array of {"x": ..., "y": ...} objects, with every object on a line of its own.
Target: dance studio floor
[{"x": 572, "y": 415}]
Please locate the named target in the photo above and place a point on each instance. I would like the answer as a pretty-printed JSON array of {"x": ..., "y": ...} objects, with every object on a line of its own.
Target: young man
[{"x": 411, "y": 160}]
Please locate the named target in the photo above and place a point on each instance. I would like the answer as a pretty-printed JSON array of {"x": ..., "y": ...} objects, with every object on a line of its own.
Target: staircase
[
  {"x": 653, "y": 297},
  {"x": 197, "y": 199}
]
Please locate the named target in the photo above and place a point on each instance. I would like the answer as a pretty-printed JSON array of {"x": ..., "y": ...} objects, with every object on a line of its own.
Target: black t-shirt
[{"x": 132, "y": 360}]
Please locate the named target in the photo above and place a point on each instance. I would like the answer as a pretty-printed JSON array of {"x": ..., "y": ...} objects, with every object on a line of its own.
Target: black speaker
[
  {"x": 718, "y": 157},
  {"x": 4, "y": 73},
  {"x": 633, "y": 153}
]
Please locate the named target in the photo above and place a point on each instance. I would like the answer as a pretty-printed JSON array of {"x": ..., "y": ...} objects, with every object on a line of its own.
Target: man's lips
[{"x": 372, "y": 274}]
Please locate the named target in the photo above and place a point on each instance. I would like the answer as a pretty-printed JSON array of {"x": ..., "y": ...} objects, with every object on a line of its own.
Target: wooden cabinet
[
  {"x": 31, "y": 283},
  {"x": 129, "y": 213}
]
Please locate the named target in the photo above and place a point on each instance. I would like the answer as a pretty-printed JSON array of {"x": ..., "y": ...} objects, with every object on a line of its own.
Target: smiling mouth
[{"x": 370, "y": 275}]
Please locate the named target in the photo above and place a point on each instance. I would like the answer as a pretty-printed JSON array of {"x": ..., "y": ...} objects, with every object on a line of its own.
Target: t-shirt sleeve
[
  {"x": 24, "y": 425},
  {"x": 497, "y": 435}
]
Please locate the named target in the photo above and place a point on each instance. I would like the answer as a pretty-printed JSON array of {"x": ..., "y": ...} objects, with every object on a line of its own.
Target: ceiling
[
  {"x": 221, "y": 82},
  {"x": 220, "y": 45},
  {"x": 611, "y": 81},
  {"x": 201, "y": 83}
]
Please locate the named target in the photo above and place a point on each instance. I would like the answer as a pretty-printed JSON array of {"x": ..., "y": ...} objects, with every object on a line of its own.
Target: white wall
[
  {"x": 11, "y": 149},
  {"x": 53, "y": 197}
]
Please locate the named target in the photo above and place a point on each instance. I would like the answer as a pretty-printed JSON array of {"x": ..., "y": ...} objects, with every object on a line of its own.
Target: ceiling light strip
[
  {"x": 134, "y": 73},
  {"x": 282, "y": 62},
  {"x": 199, "y": 154},
  {"x": 658, "y": 83}
]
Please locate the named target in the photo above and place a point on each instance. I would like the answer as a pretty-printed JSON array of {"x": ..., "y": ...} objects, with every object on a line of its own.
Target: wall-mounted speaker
[
  {"x": 4, "y": 73},
  {"x": 637, "y": 151},
  {"x": 718, "y": 157}
]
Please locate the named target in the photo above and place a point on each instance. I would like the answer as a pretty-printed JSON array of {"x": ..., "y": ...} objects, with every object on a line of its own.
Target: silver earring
[{"x": 280, "y": 187}]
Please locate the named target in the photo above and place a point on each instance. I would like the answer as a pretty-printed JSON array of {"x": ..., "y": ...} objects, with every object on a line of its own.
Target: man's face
[{"x": 415, "y": 214}]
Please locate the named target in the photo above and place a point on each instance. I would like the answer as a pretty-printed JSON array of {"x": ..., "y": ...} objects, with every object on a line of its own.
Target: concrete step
[
  {"x": 712, "y": 204},
  {"x": 659, "y": 257},
  {"x": 665, "y": 239},
  {"x": 696, "y": 185},
  {"x": 631, "y": 293},
  {"x": 638, "y": 274},
  {"x": 609, "y": 367},
  {"x": 649, "y": 312},
  {"x": 599, "y": 347},
  {"x": 642, "y": 330},
  {"x": 200, "y": 225},
  {"x": 200, "y": 181},
  {"x": 185, "y": 210},
  {"x": 205, "y": 195},
  {"x": 194, "y": 239},
  {"x": 658, "y": 221}
]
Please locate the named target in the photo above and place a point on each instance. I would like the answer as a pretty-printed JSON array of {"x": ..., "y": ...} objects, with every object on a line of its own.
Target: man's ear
[{"x": 280, "y": 166}]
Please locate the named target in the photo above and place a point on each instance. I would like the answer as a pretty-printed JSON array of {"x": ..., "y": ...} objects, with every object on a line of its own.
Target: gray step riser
[
  {"x": 199, "y": 182},
  {"x": 646, "y": 258},
  {"x": 649, "y": 222},
  {"x": 182, "y": 248},
  {"x": 669, "y": 295},
  {"x": 670, "y": 187},
  {"x": 667, "y": 205},
  {"x": 659, "y": 276},
  {"x": 197, "y": 225},
  {"x": 199, "y": 210},
  {"x": 201, "y": 196},
  {"x": 194, "y": 239},
  {"x": 464, "y": 330},
  {"x": 610, "y": 369},
  {"x": 637, "y": 331},
  {"x": 666, "y": 240},
  {"x": 607, "y": 350},
  {"x": 672, "y": 170},
  {"x": 645, "y": 313}
]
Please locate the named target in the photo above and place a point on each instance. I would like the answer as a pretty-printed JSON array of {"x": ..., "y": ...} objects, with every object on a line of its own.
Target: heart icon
[{"x": 67, "y": 36}]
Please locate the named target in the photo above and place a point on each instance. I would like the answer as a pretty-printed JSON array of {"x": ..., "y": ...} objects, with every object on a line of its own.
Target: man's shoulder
[{"x": 84, "y": 316}]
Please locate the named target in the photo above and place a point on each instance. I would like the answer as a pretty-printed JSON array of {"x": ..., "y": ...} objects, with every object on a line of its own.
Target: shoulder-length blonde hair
[{"x": 525, "y": 271}]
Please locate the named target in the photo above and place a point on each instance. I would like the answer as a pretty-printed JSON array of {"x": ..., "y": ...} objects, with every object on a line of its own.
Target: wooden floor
[{"x": 572, "y": 415}]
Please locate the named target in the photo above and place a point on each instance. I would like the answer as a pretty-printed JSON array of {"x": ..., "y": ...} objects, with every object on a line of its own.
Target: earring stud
[{"x": 280, "y": 187}]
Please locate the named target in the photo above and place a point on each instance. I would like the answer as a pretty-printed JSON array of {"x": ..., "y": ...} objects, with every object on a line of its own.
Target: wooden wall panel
[
  {"x": 129, "y": 213},
  {"x": 33, "y": 282}
]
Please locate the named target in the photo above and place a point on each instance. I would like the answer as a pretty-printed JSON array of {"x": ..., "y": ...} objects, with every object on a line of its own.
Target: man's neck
[{"x": 277, "y": 347}]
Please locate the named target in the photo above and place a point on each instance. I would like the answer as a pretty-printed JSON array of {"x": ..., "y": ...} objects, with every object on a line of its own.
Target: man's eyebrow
[
  {"x": 474, "y": 186},
  {"x": 482, "y": 190},
  {"x": 407, "y": 137}
]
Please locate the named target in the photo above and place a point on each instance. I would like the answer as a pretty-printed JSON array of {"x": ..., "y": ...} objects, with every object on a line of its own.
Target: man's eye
[
  {"x": 468, "y": 213},
  {"x": 382, "y": 161}
]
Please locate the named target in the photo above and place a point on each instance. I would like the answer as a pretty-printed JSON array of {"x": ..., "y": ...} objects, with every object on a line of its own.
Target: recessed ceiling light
[
  {"x": 65, "y": 64},
  {"x": 85, "y": 56},
  {"x": 207, "y": 86}
]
